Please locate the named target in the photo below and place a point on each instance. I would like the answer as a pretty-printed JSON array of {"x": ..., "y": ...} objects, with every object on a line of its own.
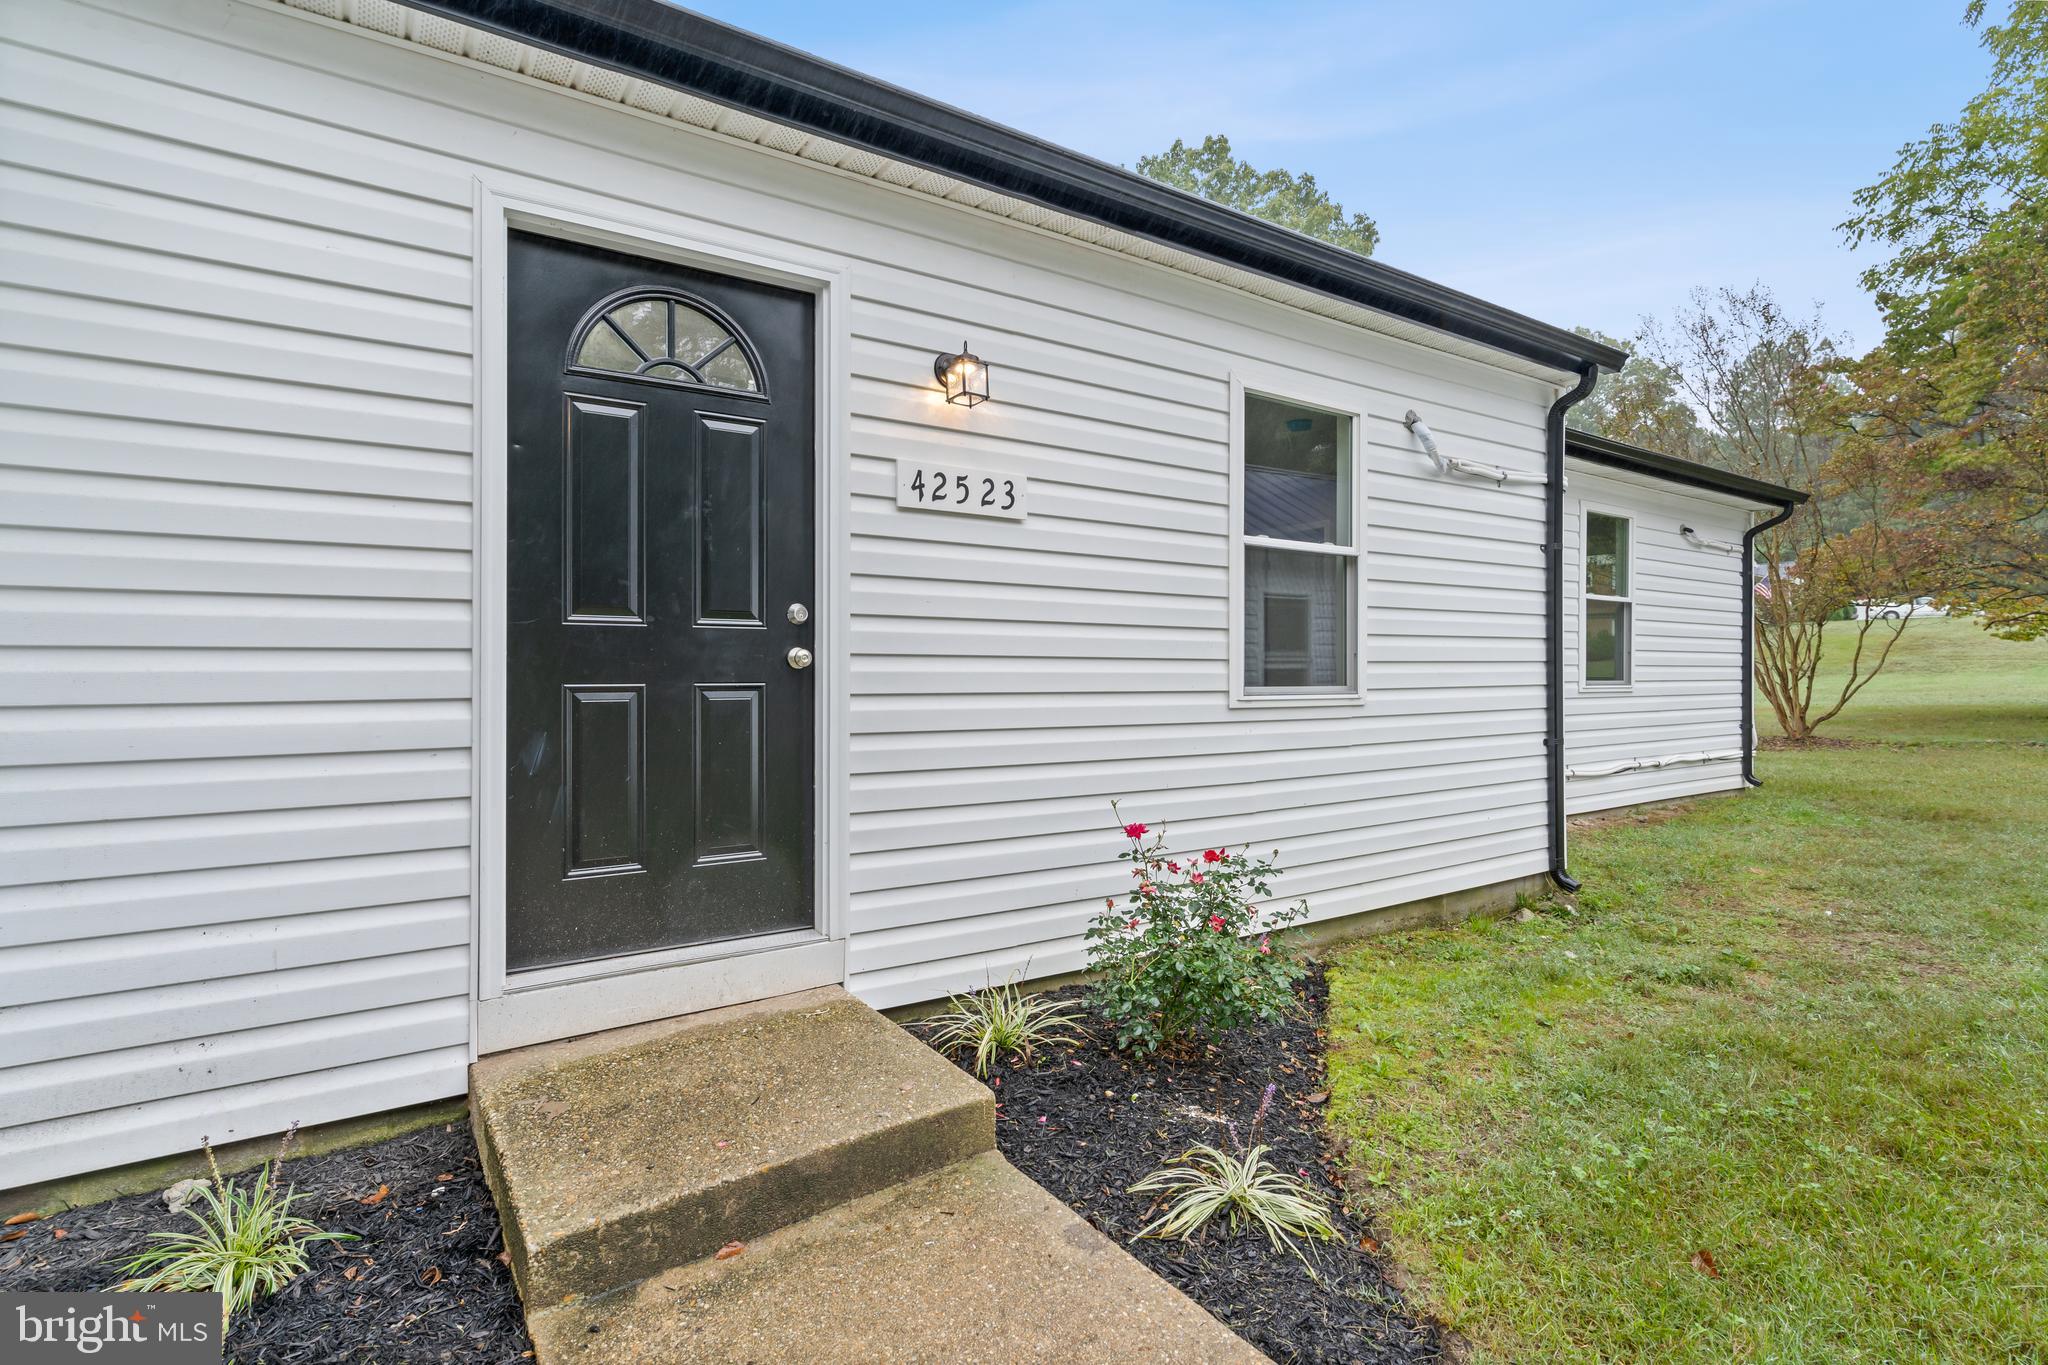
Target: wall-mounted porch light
[{"x": 962, "y": 376}]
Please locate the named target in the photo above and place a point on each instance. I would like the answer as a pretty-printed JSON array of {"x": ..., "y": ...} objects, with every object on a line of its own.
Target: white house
[{"x": 488, "y": 554}]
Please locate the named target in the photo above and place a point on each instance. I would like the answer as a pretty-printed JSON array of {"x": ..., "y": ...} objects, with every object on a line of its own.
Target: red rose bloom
[
  {"x": 1134, "y": 831},
  {"x": 1173, "y": 867},
  {"x": 1196, "y": 878},
  {"x": 1213, "y": 855},
  {"x": 1147, "y": 889},
  {"x": 1216, "y": 923},
  {"x": 1132, "y": 925}
]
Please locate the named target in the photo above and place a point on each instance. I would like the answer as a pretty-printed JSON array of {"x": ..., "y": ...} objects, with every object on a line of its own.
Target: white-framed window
[
  {"x": 1607, "y": 642},
  {"x": 1297, "y": 590}
]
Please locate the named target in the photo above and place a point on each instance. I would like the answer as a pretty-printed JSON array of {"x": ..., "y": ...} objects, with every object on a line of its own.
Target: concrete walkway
[{"x": 853, "y": 1168}]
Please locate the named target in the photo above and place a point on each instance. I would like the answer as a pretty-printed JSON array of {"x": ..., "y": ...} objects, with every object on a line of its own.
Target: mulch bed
[
  {"x": 1088, "y": 1122},
  {"x": 424, "y": 1282},
  {"x": 421, "y": 1283}
]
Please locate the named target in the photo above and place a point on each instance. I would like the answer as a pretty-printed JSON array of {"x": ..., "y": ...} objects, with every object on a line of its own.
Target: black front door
[{"x": 659, "y": 582}]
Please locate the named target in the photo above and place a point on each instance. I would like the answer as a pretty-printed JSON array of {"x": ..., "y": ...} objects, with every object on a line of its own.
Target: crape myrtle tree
[
  {"x": 1955, "y": 400},
  {"x": 1293, "y": 201},
  {"x": 1759, "y": 386}
]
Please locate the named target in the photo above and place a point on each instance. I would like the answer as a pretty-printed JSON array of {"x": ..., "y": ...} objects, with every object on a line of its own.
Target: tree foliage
[
  {"x": 1293, "y": 201},
  {"x": 1644, "y": 406},
  {"x": 1952, "y": 402}
]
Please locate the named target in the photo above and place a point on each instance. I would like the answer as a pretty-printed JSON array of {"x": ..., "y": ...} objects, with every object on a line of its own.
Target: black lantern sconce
[{"x": 963, "y": 377}]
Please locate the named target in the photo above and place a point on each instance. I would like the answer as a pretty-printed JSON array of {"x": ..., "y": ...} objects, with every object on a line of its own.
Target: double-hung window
[
  {"x": 1296, "y": 561},
  {"x": 1606, "y": 643}
]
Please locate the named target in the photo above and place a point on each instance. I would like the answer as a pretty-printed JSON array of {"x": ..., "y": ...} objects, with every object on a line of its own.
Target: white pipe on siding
[
  {"x": 1641, "y": 765},
  {"x": 1452, "y": 464},
  {"x": 1700, "y": 542}
]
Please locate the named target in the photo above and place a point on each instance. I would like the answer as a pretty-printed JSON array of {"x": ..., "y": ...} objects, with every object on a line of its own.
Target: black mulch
[
  {"x": 1086, "y": 1123},
  {"x": 422, "y": 1283}
]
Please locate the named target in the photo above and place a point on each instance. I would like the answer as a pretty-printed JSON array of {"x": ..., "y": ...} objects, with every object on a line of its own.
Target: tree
[
  {"x": 1760, "y": 384},
  {"x": 1954, "y": 398},
  {"x": 1641, "y": 405},
  {"x": 1292, "y": 201}
]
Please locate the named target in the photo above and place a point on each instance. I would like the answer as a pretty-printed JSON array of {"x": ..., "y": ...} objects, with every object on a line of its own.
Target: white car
[{"x": 1898, "y": 611}]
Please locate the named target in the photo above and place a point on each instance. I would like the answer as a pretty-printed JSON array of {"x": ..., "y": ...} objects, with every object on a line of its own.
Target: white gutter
[
  {"x": 1453, "y": 464},
  {"x": 1642, "y": 765}
]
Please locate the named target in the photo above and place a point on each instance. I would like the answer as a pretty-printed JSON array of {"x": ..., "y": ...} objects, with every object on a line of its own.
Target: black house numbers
[{"x": 926, "y": 486}]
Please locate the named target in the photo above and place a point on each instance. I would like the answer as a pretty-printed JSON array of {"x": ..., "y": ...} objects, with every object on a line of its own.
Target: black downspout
[
  {"x": 1553, "y": 625},
  {"x": 1749, "y": 642}
]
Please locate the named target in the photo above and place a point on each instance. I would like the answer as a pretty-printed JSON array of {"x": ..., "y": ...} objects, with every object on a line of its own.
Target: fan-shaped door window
[{"x": 667, "y": 338}]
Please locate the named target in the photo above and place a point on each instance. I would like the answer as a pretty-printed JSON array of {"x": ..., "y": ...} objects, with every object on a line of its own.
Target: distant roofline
[
  {"x": 1620, "y": 454},
  {"x": 659, "y": 42}
]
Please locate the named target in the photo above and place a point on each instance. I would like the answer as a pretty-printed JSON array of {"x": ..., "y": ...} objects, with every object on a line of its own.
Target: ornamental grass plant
[
  {"x": 1002, "y": 1022},
  {"x": 249, "y": 1242}
]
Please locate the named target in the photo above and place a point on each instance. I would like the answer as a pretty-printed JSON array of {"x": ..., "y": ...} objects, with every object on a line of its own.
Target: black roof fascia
[
  {"x": 674, "y": 47},
  {"x": 1604, "y": 450}
]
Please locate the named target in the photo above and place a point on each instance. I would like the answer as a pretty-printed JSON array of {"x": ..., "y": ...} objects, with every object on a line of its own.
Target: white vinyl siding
[
  {"x": 1684, "y": 691},
  {"x": 235, "y": 583}
]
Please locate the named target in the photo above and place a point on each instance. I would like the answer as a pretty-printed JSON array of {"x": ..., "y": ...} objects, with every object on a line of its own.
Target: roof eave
[
  {"x": 658, "y": 42},
  {"x": 1606, "y": 450}
]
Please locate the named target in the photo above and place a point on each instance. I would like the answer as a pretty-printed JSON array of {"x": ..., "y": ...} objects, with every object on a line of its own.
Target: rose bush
[{"x": 1189, "y": 952}]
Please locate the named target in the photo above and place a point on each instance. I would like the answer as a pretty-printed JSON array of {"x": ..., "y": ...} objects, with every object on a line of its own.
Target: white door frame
[{"x": 515, "y": 1009}]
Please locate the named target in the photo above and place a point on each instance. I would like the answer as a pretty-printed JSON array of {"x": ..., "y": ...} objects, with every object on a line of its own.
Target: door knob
[{"x": 799, "y": 657}]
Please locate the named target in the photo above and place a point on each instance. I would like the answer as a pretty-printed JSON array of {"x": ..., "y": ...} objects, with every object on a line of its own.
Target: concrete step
[
  {"x": 618, "y": 1155},
  {"x": 972, "y": 1262}
]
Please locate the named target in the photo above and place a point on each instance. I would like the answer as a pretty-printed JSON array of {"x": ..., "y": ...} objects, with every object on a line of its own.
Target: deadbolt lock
[{"x": 798, "y": 613}]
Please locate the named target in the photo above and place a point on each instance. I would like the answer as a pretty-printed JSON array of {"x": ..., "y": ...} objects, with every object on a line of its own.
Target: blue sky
[{"x": 1582, "y": 163}]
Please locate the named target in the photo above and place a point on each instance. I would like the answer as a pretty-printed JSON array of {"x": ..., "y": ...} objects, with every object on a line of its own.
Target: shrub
[
  {"x": 1001, "y": 1022},
  {"x": 1188, "y": 951},
  {"x": 1206, "y": 1181},
  {"x": 249, "y": 1242}
]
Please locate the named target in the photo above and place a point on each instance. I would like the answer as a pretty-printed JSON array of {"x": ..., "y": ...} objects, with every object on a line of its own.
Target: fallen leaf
[
  {"x": 503, "y": 1258},
  {"x": 1703, "y": 1261},
  {"x": 728, "y": 1251},
  {"x": 1320, "y": 1097},
  {"x": 59, "y": 1233},
  {"x": 349, "y": 1273},
  {"x": 21, "y": 1218},
  {"x": 377, "y": 1198},
  {"x": 14, "y": 1236},
  {"x": 445, "y": 1176},
  {"x": 1369, "y": 1244},
  {"x": 431, "y": 1275}
]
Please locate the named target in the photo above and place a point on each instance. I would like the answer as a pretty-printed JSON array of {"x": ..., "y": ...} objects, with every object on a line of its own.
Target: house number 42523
[{"x": 923, "y": 486}]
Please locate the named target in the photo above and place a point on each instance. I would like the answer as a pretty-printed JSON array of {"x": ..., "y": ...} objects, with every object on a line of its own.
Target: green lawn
[
  {"x": 1804, "y": 1031},
  {"x": 1946, "y": 679}
]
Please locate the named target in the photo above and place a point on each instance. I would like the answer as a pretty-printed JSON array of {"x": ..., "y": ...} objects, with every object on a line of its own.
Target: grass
[
  {"x": 1945, "y": 680},
  {"x": 1803, "y": 1031}
]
